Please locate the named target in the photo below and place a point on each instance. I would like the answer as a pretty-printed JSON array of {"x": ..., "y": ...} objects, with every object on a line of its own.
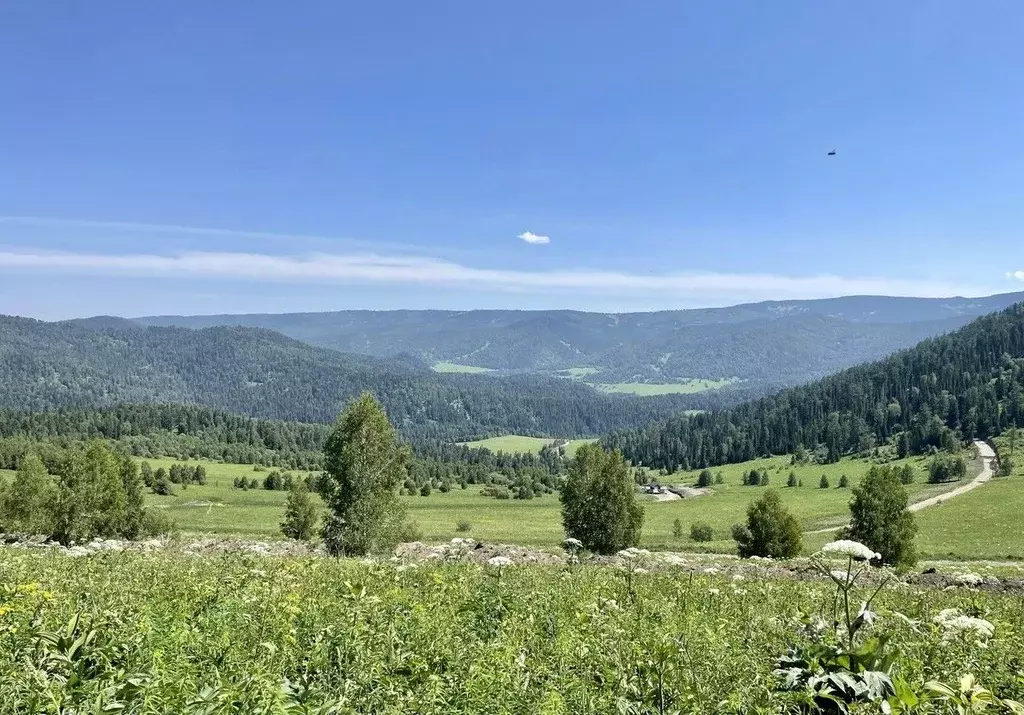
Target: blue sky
[{"x": 194, "y": 157}]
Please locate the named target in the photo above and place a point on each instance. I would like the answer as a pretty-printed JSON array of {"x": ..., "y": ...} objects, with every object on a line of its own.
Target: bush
[
  {"x": 157, "y": 523},
  {"x": 409, "y": 531},
  {"x": 770, "y": 530},
  {"x": 1006, "y": 466},
  {"x": 702, "y": 532},
  {"x": 879, "y": 518},
  {"x": 677, "y": 529},
  {"x": 844, "y": 482},
  {"x": 462, "y": 526},
  {"x": 425, "y": 489},
  {"x": 907, "y": 474},
  {"x": 719, "y": 478},
  {"x": 705, "y": 479},
  {"x": 946, "y": 468},
  {"x": 498, "y": 491},
  {"x": 823, "y": 482},
  {"x": 792, "y": 481},
  {"x": 299, "y": 513}
]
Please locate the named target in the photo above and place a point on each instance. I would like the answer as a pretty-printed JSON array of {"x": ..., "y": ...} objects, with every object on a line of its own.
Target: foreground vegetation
[{"x": 161, "y": 633}]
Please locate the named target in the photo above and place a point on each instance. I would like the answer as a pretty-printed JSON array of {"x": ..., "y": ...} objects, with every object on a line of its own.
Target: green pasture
[
  {"x": 682, "y": 387},
  {"x": 514, "y": 443},
  {"x": 445, "y": 366}
]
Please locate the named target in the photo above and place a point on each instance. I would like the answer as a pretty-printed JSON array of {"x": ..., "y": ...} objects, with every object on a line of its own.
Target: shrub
[
  {"x": 705, "y": 478},
  {"x": 792, "y": 481},
  {"x": 498, "y": 491},
  {"x": 907, "y": 474},
  {"x": 425, "y": 489},
  {"x": 702, "y": 532},
  {"x": 770, "y": 529},
  {"x": 299, "y": 513},
  {"x": 1006, "y": 466},
  {"x": 462, "y": 525},
  {"x": 599, "y": 506},
  {"x": 844, "y": 482},
  {"x": 719, "y": 478},
  {"x": 409, "y": 531},
  {"x": 946, "y": 468},
  {"x": 879, "y": 518},
  {"x": 677, "y": 529},
  {"x": 823, "y": 482}
]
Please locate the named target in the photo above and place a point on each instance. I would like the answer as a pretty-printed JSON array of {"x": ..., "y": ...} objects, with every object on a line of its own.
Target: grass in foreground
[{"x": 241, "y": 633}]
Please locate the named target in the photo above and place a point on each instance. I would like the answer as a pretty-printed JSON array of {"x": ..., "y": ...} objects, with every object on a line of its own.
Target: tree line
[{"x": 937, "y": 395}]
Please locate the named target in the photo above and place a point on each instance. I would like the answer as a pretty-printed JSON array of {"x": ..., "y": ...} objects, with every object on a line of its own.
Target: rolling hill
[
  {"x": 965, "y": 385},
  {"x": 777, "y": 343},
  {"x": 262, "y": 373}
]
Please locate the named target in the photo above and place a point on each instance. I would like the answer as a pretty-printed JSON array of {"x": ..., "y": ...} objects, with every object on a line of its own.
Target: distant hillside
[
  {"x": 262, "y": 373},
  {"x": 969, "y": 384},
  {"x": 768, "y": 344}
]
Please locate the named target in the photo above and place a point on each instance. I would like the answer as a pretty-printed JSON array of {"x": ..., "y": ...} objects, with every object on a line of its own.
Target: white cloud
[
  {"x": 531, "y": 237},
  {"x": 1019, "y": 275},
  {"x": 697, "y": 288}
]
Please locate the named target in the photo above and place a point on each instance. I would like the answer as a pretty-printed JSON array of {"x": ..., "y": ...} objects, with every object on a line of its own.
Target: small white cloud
[
  {"x": 531, "y": 237},
  {"x": 1019, "y": 275}
]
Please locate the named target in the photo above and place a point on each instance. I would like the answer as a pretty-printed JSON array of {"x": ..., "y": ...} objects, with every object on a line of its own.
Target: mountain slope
[
  {"x": 969, "y": 384},
  {"x": 264, "y": 374},
  {"x": 771, "y": 343}
]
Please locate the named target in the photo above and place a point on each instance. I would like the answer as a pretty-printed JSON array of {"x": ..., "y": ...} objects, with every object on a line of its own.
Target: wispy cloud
[
  {"x": 1019, "y": 275},
  {"x": 700, "y": 288},
  {"x": 531, "y": 237}
]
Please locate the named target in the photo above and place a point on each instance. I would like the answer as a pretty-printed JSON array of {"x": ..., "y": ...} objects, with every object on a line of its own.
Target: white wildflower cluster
[
  {"x": 605, "y": 605},
  {"x": 571, "y": 544},
  {"x": 971, "y": 580},
  {"x": 953, "y": 624},
  {"x": 633, "y": 554},
  {"x": 499, "y": 562},
  {"x": 853, "y": 549},
  {"x": 673, "y": 560}
]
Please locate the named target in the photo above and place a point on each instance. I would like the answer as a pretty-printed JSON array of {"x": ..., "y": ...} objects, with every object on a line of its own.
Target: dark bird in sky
[{"x": 832, "y": 153}]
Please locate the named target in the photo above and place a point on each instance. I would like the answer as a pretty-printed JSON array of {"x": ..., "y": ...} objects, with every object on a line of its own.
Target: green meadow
[
  {"x": 682, "y": 387},
  {"x": 527, "y": 445},
  {"x": 445, "y": 366}
]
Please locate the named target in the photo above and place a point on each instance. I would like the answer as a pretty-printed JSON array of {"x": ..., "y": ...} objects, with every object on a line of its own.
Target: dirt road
[{"x": 987, "y": 459}]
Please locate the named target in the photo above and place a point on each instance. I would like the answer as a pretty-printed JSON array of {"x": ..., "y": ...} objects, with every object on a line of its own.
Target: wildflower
[
  {"x": 572, "y": 544},
  {"x": 968, "y": 579},
  {"x": 633, "y": 553},
  {"x": 713, "y": 591},
  {"x": 954, "y": 623},
  {"x": 499, "y": 561},
  {"x": 853, "y": 549},
  {"x": 640, "y": 570},
  {"x": 710, "y": 569},
  {"x": 674, "y": 560}
]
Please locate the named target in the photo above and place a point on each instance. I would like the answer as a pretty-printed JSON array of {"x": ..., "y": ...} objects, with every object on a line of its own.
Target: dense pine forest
[
  {"x": 969, "y": 384},
  {"x": 261, "y": 373}
]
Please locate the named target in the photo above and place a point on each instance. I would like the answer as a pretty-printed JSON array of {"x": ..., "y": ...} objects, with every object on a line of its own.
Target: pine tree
[
  {"x": 299, "y": 513},
  {"x": 364, "y": 465},
  {"x": 792, "y": 481},
  {"x": 599, "y": 504}
]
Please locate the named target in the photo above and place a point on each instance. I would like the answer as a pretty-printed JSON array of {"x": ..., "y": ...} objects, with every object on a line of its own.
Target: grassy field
[
  {"x": 683, "y": 387},
  {"x": 445, "y": 366},
  {"x": 179, "y": 633},
  {"x": 219, "y": 508},
  {"x": 526, "y": 445},
  {"x": 984, "y": 523},
  {"x": 577, "y": 373}
]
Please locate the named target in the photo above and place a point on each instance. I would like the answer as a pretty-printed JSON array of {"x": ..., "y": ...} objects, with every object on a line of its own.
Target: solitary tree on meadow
[
  {"x": 26, "y": 504},
  {"x": 879, "y": 518},
  {"x": 770, "y": 529},
  {"x": 364, "y": 466},
  {"x": 599, "y": 506}
]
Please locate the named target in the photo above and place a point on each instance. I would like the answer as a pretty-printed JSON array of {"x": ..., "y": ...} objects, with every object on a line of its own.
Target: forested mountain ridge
[
  {"x": 969, "y": 384},
  {"x": 262, "y": 373},
  {"x": 770, "y": 343}
]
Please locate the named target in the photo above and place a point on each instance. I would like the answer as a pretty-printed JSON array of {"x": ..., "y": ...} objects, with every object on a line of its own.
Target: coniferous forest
[{"x": 968, "y": 384}]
